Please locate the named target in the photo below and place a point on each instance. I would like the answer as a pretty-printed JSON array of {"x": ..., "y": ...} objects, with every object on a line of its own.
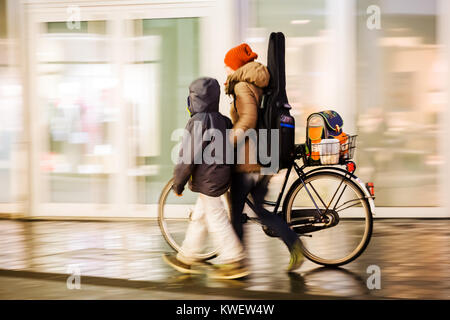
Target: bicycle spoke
[
  {"x": 355, "y": 204},
  {"x": 331, "y": 201},
  {"x": 334, "y": 195},
  {"x": 340, "y": 196},
  {"x": 317, "y": 194}
]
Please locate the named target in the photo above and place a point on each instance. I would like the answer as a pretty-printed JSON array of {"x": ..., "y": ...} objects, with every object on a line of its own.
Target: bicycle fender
[
  {"x": 355, "y": 179},
  {"x": 366, "y": 193}
]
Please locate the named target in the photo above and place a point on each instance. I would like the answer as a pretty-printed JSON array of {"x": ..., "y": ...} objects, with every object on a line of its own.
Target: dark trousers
[{"x": 242, "y": 185}]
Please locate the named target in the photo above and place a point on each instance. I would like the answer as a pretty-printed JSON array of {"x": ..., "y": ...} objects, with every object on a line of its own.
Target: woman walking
[{"x": 246, "y": 79}]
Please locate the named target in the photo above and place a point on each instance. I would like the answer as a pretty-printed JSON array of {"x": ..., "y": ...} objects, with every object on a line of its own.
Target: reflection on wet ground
[{"x": 413, "y": 256}]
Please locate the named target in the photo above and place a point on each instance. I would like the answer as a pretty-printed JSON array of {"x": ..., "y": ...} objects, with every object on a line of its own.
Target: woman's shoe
[
  {"x": 178, "y": 265},
  {"x": 229, "y": 271},
  {"x": 296, "y": 257}
]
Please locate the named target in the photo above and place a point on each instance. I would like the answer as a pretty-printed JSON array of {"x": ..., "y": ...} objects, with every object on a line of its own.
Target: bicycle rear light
[
  {"x": 351, "y": 167},
  {"x": 371, "y": 188}
]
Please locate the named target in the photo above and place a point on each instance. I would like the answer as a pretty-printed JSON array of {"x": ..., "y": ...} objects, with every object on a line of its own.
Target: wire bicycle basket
[{"x": 328, "y": 152}]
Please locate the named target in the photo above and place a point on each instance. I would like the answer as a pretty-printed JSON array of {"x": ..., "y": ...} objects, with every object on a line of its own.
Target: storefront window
[
  {"x": 399, "y": 88},
  {"x": 400, "y": 99},
  {"x": 76, "y": 86}
]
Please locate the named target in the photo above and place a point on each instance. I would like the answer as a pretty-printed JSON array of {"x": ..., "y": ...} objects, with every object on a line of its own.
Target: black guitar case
[{"x": 274, "y": 109}]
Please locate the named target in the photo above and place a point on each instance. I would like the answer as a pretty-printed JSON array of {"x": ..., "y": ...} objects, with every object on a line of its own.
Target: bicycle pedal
[{"x": 244, "y": 218}]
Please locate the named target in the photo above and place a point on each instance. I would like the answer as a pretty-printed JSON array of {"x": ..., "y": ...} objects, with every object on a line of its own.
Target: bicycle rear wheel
[
  {"x": 349, "y": 221},
  {"x": 174, "y": 216}
]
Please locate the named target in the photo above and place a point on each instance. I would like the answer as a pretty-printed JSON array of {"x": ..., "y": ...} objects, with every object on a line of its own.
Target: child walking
[{"x": 210, "y": 179}]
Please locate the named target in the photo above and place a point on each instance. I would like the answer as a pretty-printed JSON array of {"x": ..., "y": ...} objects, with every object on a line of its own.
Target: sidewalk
[{"x": 122, "y": 260}]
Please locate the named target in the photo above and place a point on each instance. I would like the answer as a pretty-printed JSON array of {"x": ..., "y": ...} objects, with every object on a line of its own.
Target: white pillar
[
  {"x": 219, "y": 33},
  {"x": 342, "y": 25},
  {"x": 443, "y": 10}
]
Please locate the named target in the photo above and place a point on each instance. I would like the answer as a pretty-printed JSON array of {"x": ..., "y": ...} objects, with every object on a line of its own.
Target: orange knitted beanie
[{"x": 240, "y": 55}]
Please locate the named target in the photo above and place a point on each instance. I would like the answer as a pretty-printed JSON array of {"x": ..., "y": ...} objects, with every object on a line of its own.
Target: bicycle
[{"x": 314, "y": 211}]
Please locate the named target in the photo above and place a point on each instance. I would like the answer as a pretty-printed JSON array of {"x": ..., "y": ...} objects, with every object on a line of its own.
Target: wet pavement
[{"x": 122, "y": 260}]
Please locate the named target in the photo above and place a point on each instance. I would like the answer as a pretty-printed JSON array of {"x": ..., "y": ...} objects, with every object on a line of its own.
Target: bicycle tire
[{"x": 298, "y": 185}]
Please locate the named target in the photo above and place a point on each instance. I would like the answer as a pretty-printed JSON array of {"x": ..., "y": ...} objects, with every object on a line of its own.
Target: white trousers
[{"x": 210, "y": 216}]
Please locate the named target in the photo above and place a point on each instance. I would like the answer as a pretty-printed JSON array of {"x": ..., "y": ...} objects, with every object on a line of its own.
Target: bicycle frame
[{"x": 301, "y": 174}]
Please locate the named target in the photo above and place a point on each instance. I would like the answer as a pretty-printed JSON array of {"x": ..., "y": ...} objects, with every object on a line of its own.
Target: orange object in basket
[
  {"x": 343, "y": 140},
  {"x": 315, "y": 150},
  {"x": 316, "y": 126},
  {"x": 315, "y": 134}
]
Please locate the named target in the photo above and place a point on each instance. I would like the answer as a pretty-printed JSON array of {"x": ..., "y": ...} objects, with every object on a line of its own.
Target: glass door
[{"x": 163, "y": 62}]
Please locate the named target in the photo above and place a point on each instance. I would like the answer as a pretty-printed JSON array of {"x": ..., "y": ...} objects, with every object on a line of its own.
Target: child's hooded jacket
[{"x": 212, "y": 179}]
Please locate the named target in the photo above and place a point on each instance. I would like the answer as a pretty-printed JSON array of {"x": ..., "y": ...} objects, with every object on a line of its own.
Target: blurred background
[{"x": 91, "y": 92}]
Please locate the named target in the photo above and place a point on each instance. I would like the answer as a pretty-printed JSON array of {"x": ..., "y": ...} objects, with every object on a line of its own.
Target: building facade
[{"x": 93, "y": 92}]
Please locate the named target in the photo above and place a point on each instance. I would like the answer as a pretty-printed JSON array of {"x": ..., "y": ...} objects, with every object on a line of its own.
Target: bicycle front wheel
[
  {"x": 174, "y": 216},
  {"x": 347, "y": 229}
]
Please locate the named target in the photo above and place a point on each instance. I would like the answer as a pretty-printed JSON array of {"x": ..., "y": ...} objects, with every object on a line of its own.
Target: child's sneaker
[
  {"x": 178, "y": 265},
  {"x": 296, "y": 257},
  {"x": 229, "y": 271}
]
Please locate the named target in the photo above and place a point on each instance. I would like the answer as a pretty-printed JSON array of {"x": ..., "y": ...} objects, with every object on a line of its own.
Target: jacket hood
[
  {"x": 252, "y": 72},
  {"x": 204, "y": 95}
]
